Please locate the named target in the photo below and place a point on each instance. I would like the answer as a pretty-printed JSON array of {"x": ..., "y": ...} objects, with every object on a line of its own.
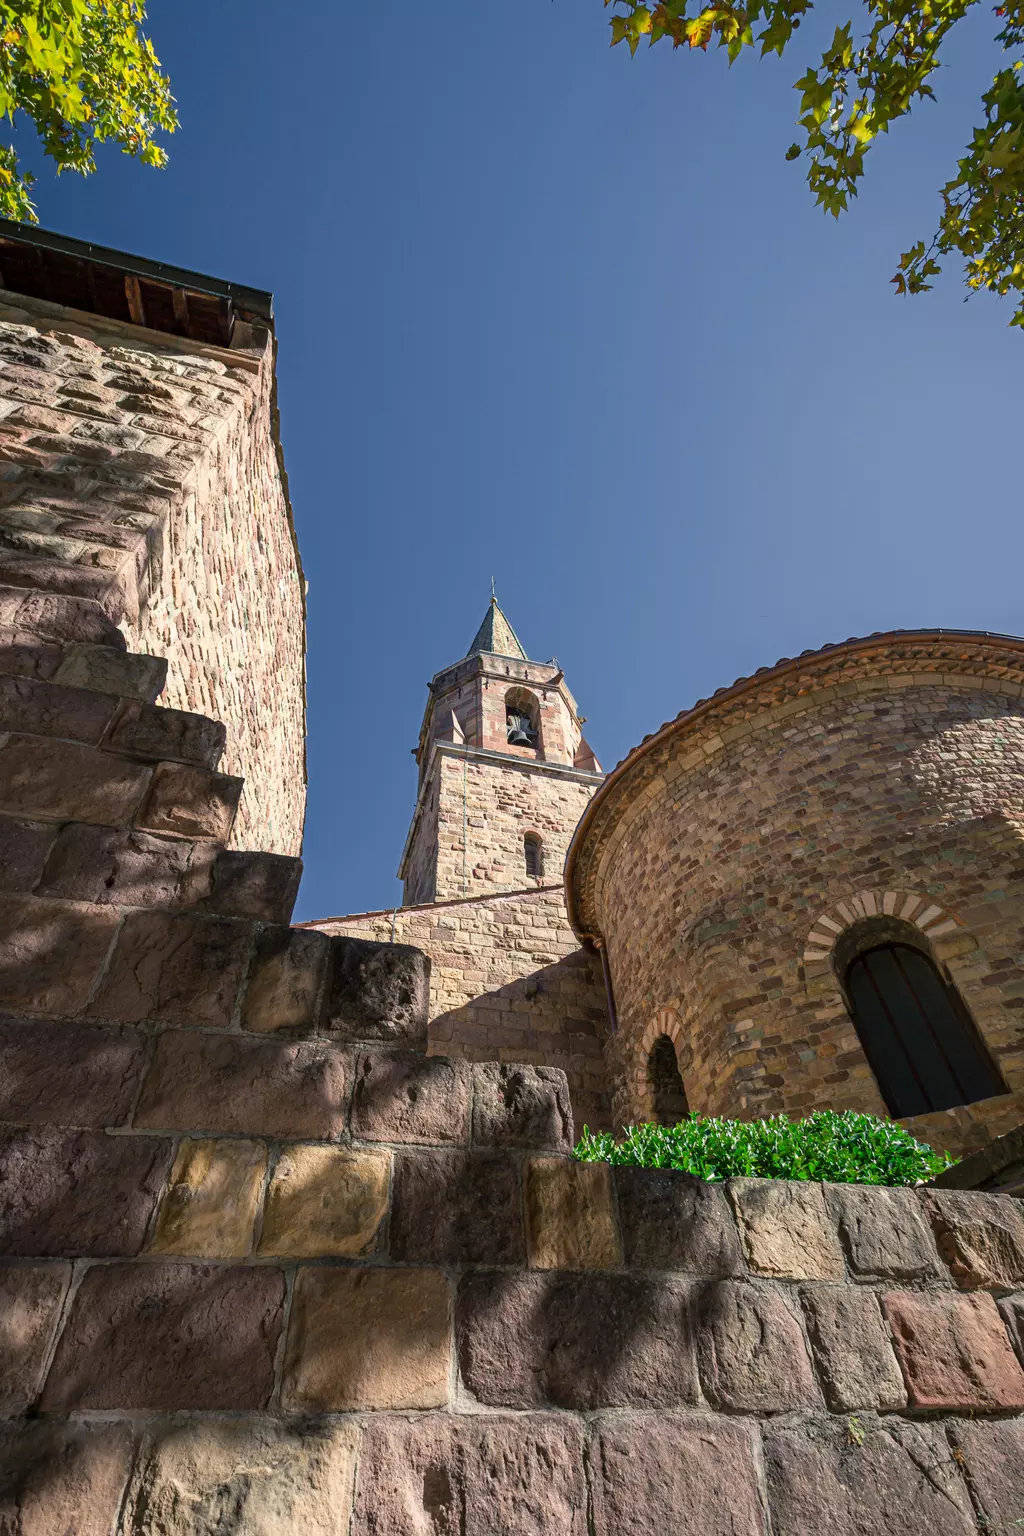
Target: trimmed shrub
[{"x": 835, "y": 1148}]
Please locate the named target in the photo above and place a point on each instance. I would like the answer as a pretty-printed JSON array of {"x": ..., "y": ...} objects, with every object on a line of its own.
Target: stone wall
[
  {"x": 508, "y": 982},
  {"x": 726, "y": 857},
  {"x": 140, "y": 473}
]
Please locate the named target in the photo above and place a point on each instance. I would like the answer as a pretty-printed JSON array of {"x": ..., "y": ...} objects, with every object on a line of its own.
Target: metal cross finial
[{"x": 493, "y": 598}]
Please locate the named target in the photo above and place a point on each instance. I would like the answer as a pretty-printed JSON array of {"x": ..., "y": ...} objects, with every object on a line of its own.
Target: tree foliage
[
  {"x": 862, "y": 85},
  {"x": 85, "y": 74},
  {"x": 834, "y": 1148}
]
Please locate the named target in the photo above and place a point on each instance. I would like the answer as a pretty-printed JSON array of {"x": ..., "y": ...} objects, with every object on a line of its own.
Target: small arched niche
[
  {"x": 922, "y": 1044},
  {"x": 533, "y": 856},
  {"x": 522, "y": 718},
  {"x": 665, "y": 1082}
]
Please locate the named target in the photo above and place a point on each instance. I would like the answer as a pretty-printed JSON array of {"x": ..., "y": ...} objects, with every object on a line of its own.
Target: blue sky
[{"x": 572, "y": 321}]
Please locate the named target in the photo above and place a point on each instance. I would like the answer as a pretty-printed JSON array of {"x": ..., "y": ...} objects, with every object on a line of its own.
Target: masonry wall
[
  {"x": 744, "y": 846},
  {"x": 141, "y": 473},
  {"x": 508, "y": 982}
]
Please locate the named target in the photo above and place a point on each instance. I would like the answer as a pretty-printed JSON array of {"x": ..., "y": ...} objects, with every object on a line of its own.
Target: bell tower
[{"x": 504, "y": 773}]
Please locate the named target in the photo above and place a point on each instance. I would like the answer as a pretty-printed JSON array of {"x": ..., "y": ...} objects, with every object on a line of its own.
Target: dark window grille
[
  {"x": 534, "y": 854},
  {"x": 918, "y": 1037},
  {"x": 666, "y": 1082}
]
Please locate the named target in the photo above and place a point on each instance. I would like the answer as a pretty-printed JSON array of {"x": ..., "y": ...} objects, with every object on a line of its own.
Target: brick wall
[
  {"x": 139, "y": 474},
  {"x": 508, "y": 982},
  {"x": 725, "y": 859}
]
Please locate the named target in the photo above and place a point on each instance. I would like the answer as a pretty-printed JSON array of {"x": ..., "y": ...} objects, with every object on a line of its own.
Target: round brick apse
[{"x": 738, "y": 861}]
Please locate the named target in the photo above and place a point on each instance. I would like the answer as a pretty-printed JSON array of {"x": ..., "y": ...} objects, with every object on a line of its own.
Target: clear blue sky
[{"x": 573, "y": 321}]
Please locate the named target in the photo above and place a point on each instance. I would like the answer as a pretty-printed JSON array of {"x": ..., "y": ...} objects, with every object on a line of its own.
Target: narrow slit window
[
  {"x": 533, "y": 852},
  {"x": 666, "y": 1083}
]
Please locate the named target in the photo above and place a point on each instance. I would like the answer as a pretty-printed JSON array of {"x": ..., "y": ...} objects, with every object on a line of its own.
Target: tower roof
[{"x": 496, "y": 635}]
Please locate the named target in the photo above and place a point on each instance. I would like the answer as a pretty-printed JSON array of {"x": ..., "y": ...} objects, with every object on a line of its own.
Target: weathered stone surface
[
  {"x": 24, "y": 846},
  {"x": 33, "y": 932},
  {"x": 256, "y": 1477},
  {"x": 994, "y": 1457},
  {"x": 259, "y": 885},
  {"x": 751, "y": 1350},
  {"x": 852, "y": 1348},
  {"x": 378, "y": 992},
  {"x": 286, "y": 980},
  {"x": 30, "y": 1303},
  {"x": 471, "y": 1476},
  {"x": 47, "y": 709},
  {"x": 178, "y": 967},
  {"x": 1011, "y": 1309},
  {"x": 62, "y": 1479},
  {"x": 577, "y": 1340},
  {"x": 368, "y": 1338},
  {"x": 229, "y": 1083},
  {"x": 54, "y": 616},
  {"x": 675, "y": 1472},
  {"x": 865, "y": 1477},
  {"x": 109, "y": 671},
  {"x": 570, "y": 1222},
  {"x": 184, "y": 801},
  {"x": 517, "y": 1106},
  {"x": 954, "y": 1351},
  {"x": 153, "y": 733},
  {"x": 115, "y": 865},
  {"x": 61, "y": 780},
  {"x": 404, "y": 1096},
  {"x": 168, "y": 1336},
  {"x": 325, "y": 1202},
  {"x": 883, "y": 1231},
  {"x": 67, "y": 1193},
  {"x": 209, "y": 1206},
  {"x": 981, "y": 1237},
  {"x": 786, "y": 1229},
  {"x": 457, "y": 1206},
  {"x": 672, "y": 1221},
  {"x": 67, "y": 1074}
]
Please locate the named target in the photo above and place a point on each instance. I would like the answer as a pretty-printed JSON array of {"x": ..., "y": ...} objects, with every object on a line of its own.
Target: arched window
[
  {"x": 521, "y": 717},
  {"x": 666, "y": 1083},
  {"x": 920, "y": 1041},
  {"x": 533, "y": 852}
]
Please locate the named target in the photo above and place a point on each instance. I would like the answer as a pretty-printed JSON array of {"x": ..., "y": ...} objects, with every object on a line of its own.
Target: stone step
[
  {"x": 103, "y": 667},
  {"x": 56, "y": 616}
]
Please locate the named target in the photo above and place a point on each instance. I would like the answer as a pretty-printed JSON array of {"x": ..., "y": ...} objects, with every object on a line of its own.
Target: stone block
[
  {"x": 38, "y": 708},
  {"x": 70, "y": 1193},
  {"x": 154, "y": 733},
  {"x": 471, "y": 1476},
  {"x": 185, "y": 801},
  {"x": 954, "y": 1351},
  {"x": 181, "y": 968},
  {"x": 68, "y": 1074},
  {"x": 286, "y": 979},
  {"x": 1011, "y": 1309},
  {"x": 24, "y": 655},
  {"x": 864, "y": 1477},
  {"x": 259, "y": 885},
  {"x": 578, "y": 1341},
  {"x": 672, "y": 1221},
  {"x": 56, "y": 616},
  {"x": 243, "y": 1477},
  {"x": 521, "y": 1106},
  {"x": 232, "y": 1084},
  {"x": 786, "y": 1229},
  {"x": 378, "y": 992},
  {"x": 368, "y": 1338},
  {"x": 109, "y": 671},
  {"x": 65, "y": 781},
  {"x": 30, "y": 1304},
  {"x": 33, "y": 934},
  {"x": 852, "y": 1348},
  {"x": 168, "y": 1336},
  {"x": 115, "y": 866},
  {"x": 63, "y": 1479},
  {"x": 24, "y": 846},
  {"x": 981, "y": 1237},
  {"x": 406, "y": 1097},
  {"x": 457, "y": 1206},
  {"x": 883, "y": 1232},
  {"x": 570, "y": 1220},
  {"x": 751, "y": 1350},
  {"x": 676, "y": 1472},
  {"x": 325, "y": 1202},
  {"x": 209, "y": 1207},
  {"x": 993, "y": 1455}
]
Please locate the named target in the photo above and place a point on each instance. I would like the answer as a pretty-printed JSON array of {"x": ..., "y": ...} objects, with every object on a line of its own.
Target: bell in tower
[{"x": 520, "y": 731}]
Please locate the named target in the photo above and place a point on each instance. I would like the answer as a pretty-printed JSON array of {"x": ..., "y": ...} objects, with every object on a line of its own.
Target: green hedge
[{"x": 838, "y": 1148}]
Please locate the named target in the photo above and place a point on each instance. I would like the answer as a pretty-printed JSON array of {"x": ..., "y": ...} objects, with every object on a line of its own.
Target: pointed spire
[{"x": 496, "y": 635}]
